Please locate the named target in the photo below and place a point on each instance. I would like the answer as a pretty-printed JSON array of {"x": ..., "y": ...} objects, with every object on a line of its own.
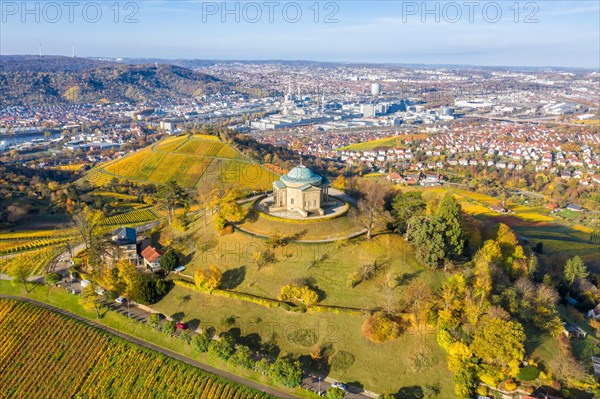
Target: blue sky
[{"x": 541, "y": 33}]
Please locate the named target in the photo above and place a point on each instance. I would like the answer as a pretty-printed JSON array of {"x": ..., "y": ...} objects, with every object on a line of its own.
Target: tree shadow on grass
[
  {"x": 412, "y": 392},
  {"x": 232, "y": 278},
  {"x": 178, "y": 317},
  {"x": 193, "y": 324}
]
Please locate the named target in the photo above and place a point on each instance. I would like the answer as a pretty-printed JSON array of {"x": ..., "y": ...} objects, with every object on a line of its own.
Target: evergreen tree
[
  {"x": 405, "y": 206},
  {"x": 168, "y": 261},
  {"x": 448, "y": 215},
  {"x": 575, "y": 269}
]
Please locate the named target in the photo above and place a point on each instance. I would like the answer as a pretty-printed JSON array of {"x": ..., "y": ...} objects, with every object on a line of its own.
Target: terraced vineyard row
[
  {"x": 47, "y": 355},
  {"x": 34, "y": 260},
  {"x": 37, "y": 234},
  {"x": 134, "y": 217},
  {"x": 8, "y": 247}
]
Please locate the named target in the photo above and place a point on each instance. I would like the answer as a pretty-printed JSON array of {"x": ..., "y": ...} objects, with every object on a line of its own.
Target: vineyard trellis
[
  {"x": 133, "y": 217},
  {"x": 44, "y": 354},
  {"x": 595, "y": 237}
]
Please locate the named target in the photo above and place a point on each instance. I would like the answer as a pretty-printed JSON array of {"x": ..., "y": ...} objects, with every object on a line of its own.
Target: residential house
[
  {"x": 576, "y": 208},
  {"x": 125, "y": 242},
  {"x": 594, "y": 313},
  {"x": 151, "y": 258}
]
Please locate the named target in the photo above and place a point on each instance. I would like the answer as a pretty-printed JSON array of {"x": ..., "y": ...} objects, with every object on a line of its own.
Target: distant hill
[
  {"x": 31, "y": 80},
  {"x": 48, "y": 63}
]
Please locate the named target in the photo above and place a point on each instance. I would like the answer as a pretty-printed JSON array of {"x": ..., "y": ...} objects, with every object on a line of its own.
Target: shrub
[
  {"x": 186, "y": 336},
  {"x": 153, "y": 320},
  {"x": 262, "y": 366},
  {"x": 295, "y": 292},
  {"x": 482, "y": 390},
  {"x": 287, "y": 372},
  {"x": 168, "y": 327},
  {"x": 223, "y": 348},
  {"x": 242, "y": 357},
  {"x": 380, "y": 328},
  {"x": 52, "y": 278},
  {"x": 510, "y": 385},
  {"x": 528, "y": 373},
  {"x": 220, "y": 223},
  {"x": 335, "y": 393},
  {"x": 225, "y": 231},
  {"x": 179, "y": 224},
  {"x": 200, "y": 342}
]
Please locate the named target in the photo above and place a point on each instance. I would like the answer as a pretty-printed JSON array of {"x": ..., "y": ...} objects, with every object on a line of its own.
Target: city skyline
[{"x": 449, "y": 33}]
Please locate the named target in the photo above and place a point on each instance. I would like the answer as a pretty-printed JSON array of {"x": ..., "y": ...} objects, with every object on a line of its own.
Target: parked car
[
  {"x": 179, "y": 269},
  {"x": 180, "y": 326},
  {"x": 85, "y": 283},
  {"x": 100, "y": 291},
  {"x": 120, "y": 300},
  {"x": 339, "y": 385}
]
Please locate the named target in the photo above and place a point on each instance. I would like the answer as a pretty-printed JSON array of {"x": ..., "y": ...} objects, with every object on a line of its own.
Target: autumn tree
[
  {"x": 339, "y": 182},
  {"x": 416, "y": 297},
  {"x": 370, "y": 212},
  {"x": 171, "y": 195},
  {"x": 500, "y": 343},
  {"x": 87, "y": 222},
  {"x": 20, "y": 271},
  {"x": 451, "y": 302},
  {"x": 208, "y": 279},
  {"x": 89, "y": 300}
]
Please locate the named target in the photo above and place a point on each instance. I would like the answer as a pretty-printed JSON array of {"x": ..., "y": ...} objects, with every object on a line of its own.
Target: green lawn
[
  {"x": 340, "y": 227},
  {"x": 379, "y": 367}
]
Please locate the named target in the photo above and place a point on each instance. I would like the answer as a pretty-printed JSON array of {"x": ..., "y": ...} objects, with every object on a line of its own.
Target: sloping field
[
  {"x": 561, "y": 240},
  {"x": 191, "y": 161},
  {"x": 47, "y": 355},
  {"x": 388, "y": 142}
]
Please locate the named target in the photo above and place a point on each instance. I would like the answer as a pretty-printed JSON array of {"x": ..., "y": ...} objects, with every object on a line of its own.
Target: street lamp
[{"x": 319, "y": 386}]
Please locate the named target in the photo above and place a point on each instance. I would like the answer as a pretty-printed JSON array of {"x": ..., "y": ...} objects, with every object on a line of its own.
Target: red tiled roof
[{"x": 150, "y": 254}]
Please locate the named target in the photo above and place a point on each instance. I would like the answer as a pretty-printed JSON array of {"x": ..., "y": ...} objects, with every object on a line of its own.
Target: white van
[{"x": 85, "y": 283}]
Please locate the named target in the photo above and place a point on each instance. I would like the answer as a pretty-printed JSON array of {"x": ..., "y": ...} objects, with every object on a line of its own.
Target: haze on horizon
[{"x": 486, "y": 33}]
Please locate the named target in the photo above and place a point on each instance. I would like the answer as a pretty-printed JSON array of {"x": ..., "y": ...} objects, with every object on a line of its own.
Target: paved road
[{"x": 210, "y": 369}]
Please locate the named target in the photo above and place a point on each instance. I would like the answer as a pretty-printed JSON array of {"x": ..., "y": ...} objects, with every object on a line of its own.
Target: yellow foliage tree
[
  {"x": 209, "y": 279},
  {"x": 458, "y": 353}
]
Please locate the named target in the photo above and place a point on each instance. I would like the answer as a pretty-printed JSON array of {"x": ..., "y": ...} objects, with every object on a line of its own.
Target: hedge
[{"x": 271, "y": 303}]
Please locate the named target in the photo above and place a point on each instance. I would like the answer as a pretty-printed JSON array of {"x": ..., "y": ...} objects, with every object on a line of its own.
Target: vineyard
[
  {"x": 34, "y": 260},
  {"x": 191, "y": 162},
  {"x": 9, "y": 247},
  {"x": 134, "y": 217},
  {"x": 47, "y": 355},
  {"x": 36, "y": 234}
]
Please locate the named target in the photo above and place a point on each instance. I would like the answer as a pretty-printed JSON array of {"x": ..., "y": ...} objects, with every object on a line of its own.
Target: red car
[{"x": 180, "y": 326}]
